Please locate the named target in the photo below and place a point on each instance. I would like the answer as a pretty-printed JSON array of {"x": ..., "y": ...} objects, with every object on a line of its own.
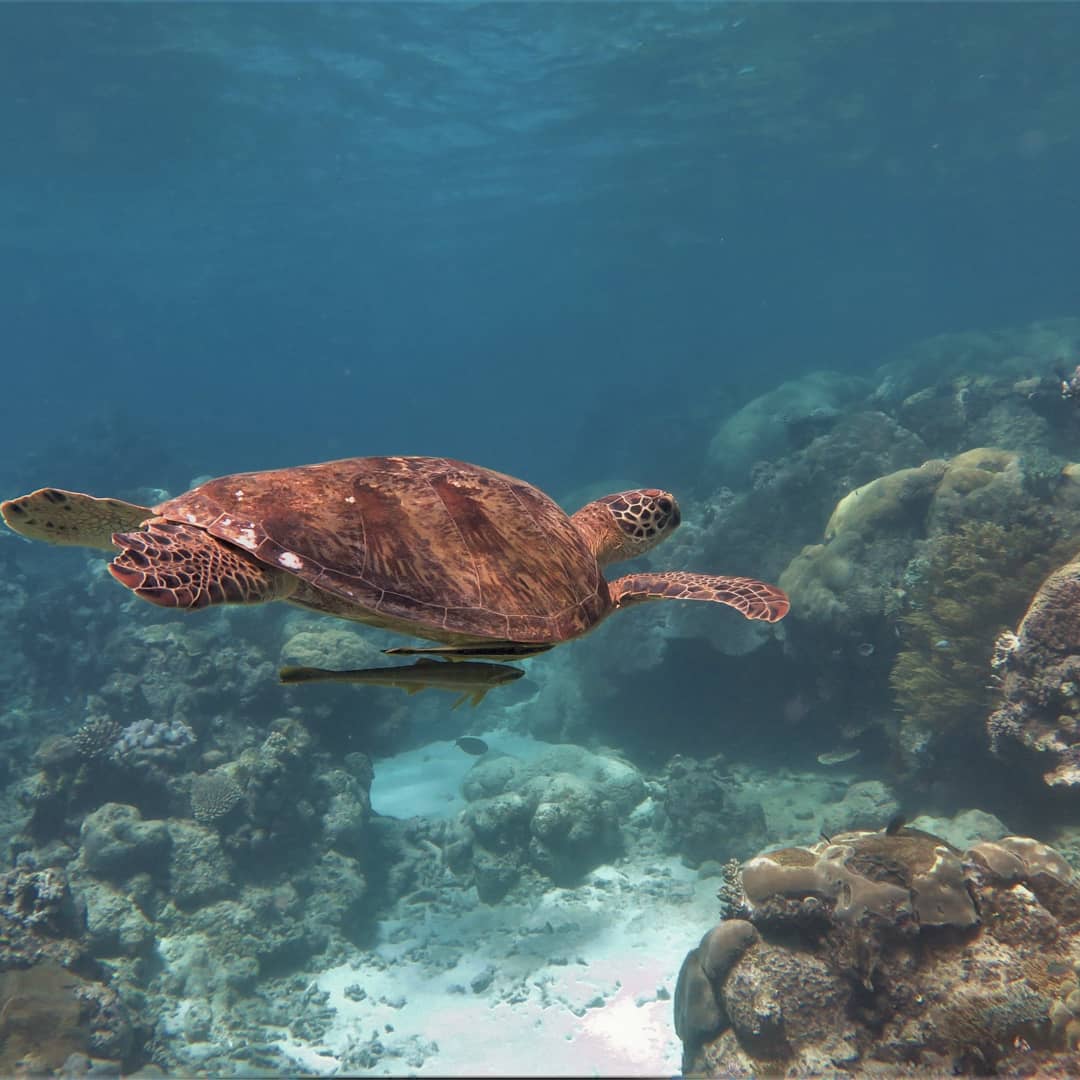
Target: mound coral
[
  {"x": 558, "y": 816},
  {"x": 1039, "y": 668},
  {"x": 974, "y": 583},
  {"x": 48, "y": 1013},
  {"x": 939, "y": 558},
  {"x": 885, "y": 950}
]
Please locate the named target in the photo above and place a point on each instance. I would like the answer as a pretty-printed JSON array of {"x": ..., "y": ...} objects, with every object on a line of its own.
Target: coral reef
[
  {"x": 700, "y": 816},
  {"x": 863, "y": 805},
  {"x": 53, "y": 1002},
  {"x": 858, "y": 577},
  {"x": 763, "y": 528},
  {"x": 558, "y": 816},
  {"x": 885, "y": 950},
  {"x": 48, "y": 1014},
  {"x": 144, "y": 741},
  {"x": 213, "y": 795},
  {"x": 38, "y": 914},
  {"x": 117, "y": 842},
  {"x": 919, "y": 570},
  {"x": 974, "y": 583},
  {"x": 761, "y": 430},
  {"x": 97, "y": 737},
  {"x": 267, "y": 876},
  {"x": 1038, "y": 721}
]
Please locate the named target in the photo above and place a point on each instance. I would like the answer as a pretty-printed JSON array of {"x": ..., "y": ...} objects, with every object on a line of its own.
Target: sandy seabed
[{"x": 575, "y": 982}]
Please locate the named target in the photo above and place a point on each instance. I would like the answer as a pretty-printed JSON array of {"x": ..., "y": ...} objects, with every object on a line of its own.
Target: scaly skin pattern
[
  {"x": 753, "y": 599},
  {"x": 183, "y": 567},
  {"x": 628, "y": 523}
]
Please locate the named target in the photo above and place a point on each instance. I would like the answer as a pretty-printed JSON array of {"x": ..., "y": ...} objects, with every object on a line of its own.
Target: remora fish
[{"x": 470, "y": 680}]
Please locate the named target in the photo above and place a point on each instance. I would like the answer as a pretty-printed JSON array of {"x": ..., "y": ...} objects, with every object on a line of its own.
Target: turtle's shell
[{"x": 450, "y": 549}]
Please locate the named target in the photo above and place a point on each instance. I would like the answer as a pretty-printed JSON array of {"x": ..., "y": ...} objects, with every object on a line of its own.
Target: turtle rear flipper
[
  {"x": 754, "y": 599},
  {"x": 70, "y": 517},
  {"x": 182, "y": 566}
]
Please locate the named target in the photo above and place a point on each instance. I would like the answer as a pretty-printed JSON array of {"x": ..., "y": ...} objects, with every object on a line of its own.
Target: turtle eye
[{"x": 668, "y": 512}]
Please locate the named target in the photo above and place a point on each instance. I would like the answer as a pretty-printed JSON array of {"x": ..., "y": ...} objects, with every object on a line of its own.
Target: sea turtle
[{"x": 435, "y": 548}]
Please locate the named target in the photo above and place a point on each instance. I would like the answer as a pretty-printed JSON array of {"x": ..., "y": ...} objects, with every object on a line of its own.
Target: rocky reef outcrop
[
  {"x": 1038, "y": 721},
  {"x": 886, "y": 951},
  {"x": 56, "y": 1009},
  {"x": 917, "y": 573},
  {"x": 558, "y": 816}
]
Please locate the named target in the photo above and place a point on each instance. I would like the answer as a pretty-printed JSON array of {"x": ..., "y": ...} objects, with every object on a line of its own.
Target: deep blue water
[{"x": 560, "y": 239}]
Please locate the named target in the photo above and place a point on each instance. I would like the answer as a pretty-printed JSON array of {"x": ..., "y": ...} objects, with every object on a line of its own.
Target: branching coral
[
  {"x": 97, "y": 736},
  {"x": 975, "y": 583}
]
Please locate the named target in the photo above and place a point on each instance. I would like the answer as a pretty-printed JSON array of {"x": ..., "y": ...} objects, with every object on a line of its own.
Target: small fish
[
  {"x": 472, "y": 745},
  {"x": 944, "y": 643},
  {"x": 471, "y": 681},
  {"x": 896, "y": 823},
  {"x": 838, "y": 756}
]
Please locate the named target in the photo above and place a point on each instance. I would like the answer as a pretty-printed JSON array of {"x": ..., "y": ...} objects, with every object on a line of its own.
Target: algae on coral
[{"x": 974, "y": 583}]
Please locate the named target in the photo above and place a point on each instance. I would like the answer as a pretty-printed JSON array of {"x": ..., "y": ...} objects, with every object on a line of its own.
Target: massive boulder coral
[
  {"x": 320, "y": 644},
  {"x": 117, "y": 842},
  {"x": 761, "y": 428},
  {"x": 558, "y": 816},
  {"x": 759, "y": 531},
  {"x": 51, "y": 1002},
  {"x": 180, "y": 672},
  {"x": 885, "y": 950},
  {"x": 918, "y": 571},
  {"x": 1039, "y": 668},
  {"x": 52, "y": 1016},
  {"x": 700, "y": 815},
  {"x": 972, "y": 583},
  {"x": 852, "y": 580}
]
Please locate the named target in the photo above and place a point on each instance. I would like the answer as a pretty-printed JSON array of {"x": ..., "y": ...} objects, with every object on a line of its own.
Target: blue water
[{"x": 560, "y": 238}]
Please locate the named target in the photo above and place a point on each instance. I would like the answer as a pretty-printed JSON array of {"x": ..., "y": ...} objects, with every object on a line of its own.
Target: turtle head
[{"x": 627, "y": 524}]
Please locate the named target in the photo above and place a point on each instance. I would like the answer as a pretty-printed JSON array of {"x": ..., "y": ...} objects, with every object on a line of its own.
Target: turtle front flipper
[
  {"x": 754, "y": 599},
  {"x": 182, "y": 566},
  {"x": 70, "y": 517}
]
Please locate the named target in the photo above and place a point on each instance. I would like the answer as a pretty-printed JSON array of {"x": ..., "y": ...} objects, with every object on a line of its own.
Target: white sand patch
[
  {"x": 427, "y": 781},
  {"x": 577, "y": 983}
]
